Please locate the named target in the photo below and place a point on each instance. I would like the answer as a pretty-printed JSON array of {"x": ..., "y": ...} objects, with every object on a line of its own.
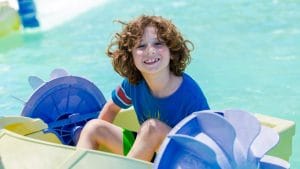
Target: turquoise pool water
[{"x": 247, "y": 54}]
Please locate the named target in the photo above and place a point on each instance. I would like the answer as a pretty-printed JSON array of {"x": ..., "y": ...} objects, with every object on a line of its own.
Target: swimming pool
[{"x": 246, "y": 55}]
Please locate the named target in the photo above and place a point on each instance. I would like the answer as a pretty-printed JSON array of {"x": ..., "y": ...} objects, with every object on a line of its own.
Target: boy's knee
[
  {"x": 94, "y": 126},
  {"x": 154, "y": 128},
  {"x": 92, "y": 134}
]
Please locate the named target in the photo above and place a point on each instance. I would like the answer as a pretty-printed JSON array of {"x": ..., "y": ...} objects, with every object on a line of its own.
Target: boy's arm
[{"x": 109, "y": 111}]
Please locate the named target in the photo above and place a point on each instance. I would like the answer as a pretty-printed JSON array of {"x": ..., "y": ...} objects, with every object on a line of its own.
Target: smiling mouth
[{"x": 151, "y": 61}]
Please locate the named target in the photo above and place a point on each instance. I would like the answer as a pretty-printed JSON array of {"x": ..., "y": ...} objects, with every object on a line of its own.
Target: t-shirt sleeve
[{"x": 121, "y": 95}]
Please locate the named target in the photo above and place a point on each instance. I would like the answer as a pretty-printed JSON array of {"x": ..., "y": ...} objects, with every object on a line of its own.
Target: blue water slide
[
  {"x": 65, "y": 103},
  {"x": 27, "y": 12}
]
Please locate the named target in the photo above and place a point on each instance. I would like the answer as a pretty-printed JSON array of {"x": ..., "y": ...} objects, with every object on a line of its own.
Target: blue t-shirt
[{"x": 187, "y": 99}]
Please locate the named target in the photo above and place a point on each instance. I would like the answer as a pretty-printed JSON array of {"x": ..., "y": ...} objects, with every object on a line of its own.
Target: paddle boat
[{"x": 51, "y": 121}]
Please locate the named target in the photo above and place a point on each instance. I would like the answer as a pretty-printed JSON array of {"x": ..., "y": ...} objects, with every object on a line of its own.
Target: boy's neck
[{"x": 163, "y": 85}]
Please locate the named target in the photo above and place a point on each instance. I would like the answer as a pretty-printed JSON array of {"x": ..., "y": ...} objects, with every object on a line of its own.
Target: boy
[{"x": 152, "y": 55}]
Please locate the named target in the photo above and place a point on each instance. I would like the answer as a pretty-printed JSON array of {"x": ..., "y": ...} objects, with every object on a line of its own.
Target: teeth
[{"x": 152, "y": 60}]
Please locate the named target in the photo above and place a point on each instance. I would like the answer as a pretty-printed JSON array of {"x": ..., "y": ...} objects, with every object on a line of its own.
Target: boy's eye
[
  {"x": 158, "y": 43},
  {"x": 141, "y": 46}
]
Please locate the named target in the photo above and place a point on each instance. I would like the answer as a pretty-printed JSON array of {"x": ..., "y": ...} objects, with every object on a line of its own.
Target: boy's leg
[
  {"x": 149, "y": 138},
  {"x": 99, "y": 132}
]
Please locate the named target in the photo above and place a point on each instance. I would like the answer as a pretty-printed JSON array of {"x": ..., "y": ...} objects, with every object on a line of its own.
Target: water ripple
[
  {"x": 284, "y": 58},
  {"x": 4, "y": 68}
]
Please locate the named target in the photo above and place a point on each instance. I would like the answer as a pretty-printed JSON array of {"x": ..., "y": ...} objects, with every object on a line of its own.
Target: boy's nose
[{"x": 151, "y": 50}]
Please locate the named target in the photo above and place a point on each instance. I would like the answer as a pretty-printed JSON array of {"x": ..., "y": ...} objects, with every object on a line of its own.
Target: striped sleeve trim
[{"x": 122, "y": 97}]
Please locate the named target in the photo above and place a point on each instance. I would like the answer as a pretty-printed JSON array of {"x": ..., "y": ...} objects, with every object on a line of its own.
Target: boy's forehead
[
  {"x": 150, "y": 33},
  {"x": 150, "y": 30}
]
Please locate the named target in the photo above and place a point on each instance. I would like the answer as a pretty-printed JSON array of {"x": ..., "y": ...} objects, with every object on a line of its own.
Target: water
[{"x": 247, "y": 54}]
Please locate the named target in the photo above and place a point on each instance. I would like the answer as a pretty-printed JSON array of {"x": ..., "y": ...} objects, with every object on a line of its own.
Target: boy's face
[{"x": 151, "y": 55}]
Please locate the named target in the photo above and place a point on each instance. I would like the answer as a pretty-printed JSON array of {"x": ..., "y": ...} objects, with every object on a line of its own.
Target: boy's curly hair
[{"x": 120, "y": 49}]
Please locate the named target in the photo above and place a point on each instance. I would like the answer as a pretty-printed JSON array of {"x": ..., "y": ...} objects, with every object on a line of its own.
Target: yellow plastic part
[
  {"x": 9, "y": 19},
  {"x": 28, "y": 127},
  {"x": 286, "y": 130},
  {"x": 17, "y": 151},
  {"x": 127, "y": 119}
]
